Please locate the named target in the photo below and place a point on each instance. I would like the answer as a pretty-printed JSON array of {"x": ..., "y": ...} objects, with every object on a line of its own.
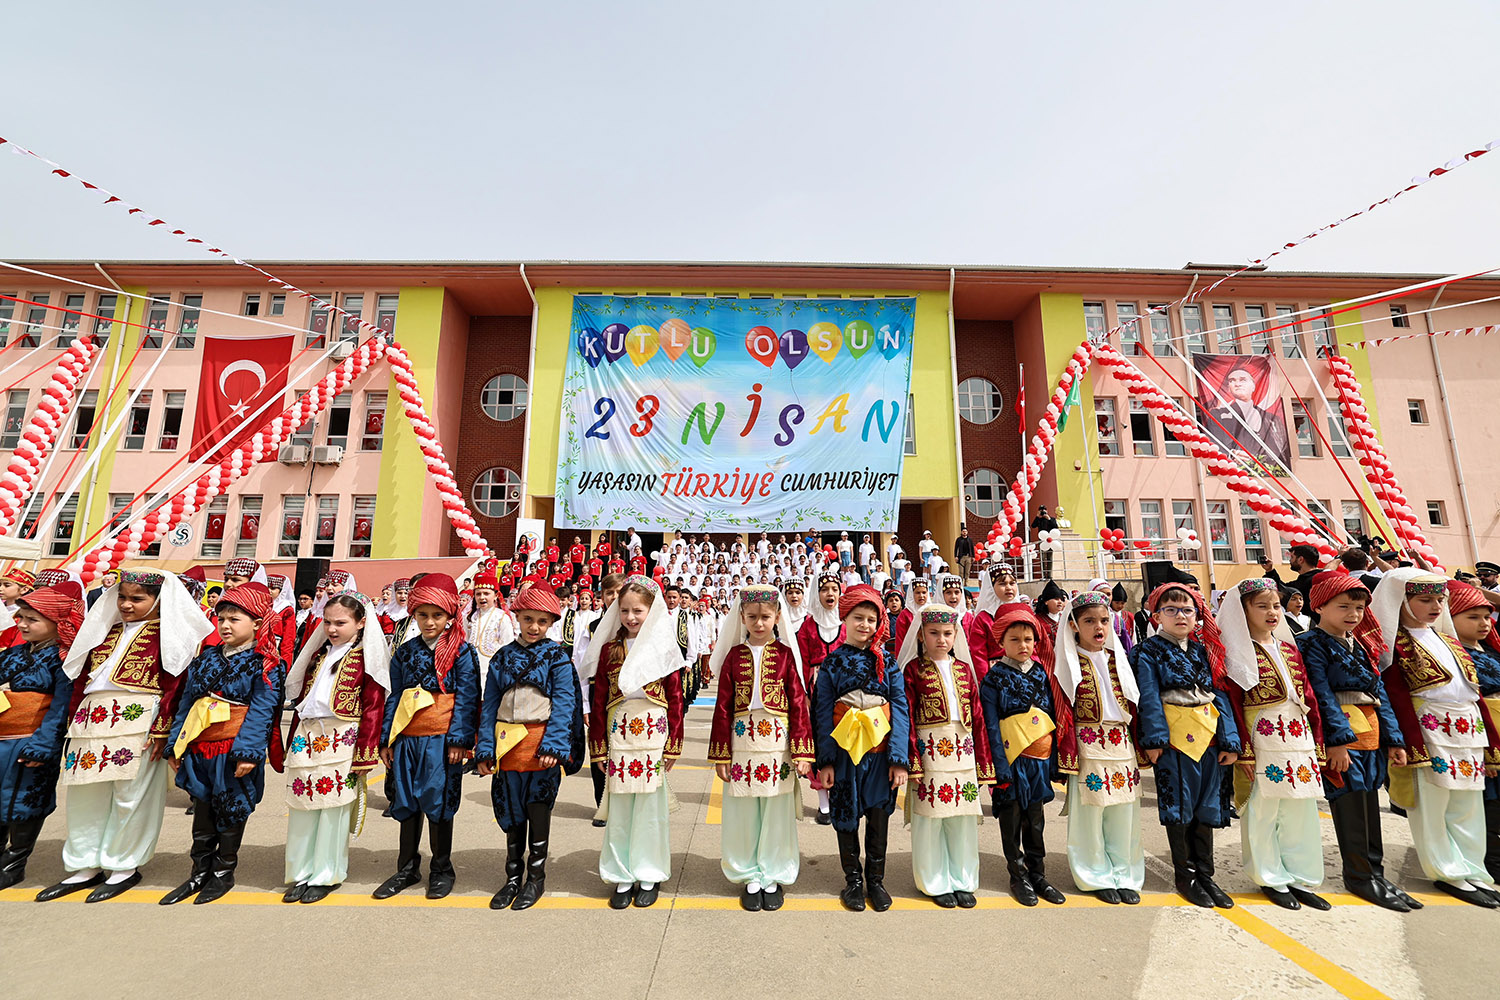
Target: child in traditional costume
[
  {"x": 428, "y": 733},
  {"x": 1470, "y": 611},
  {"x": 224, "y": 730},
  {"x": 635, "y": 734},
  {"x": 530, "y": 731},
  {"x": 1360, "y": 733},
  {"x": 35, "y": 696},
  {"x": 759, "y": 743},
  {"x": 1000, "y": 591},
  {"x": 1097, "y": 752},
  {"x": 950, "y": 756},
  {"x": 15, "y": 583},
  {"x": 863, "y": 734},
  {"x": 1278, "y": 779},
  {"x": 820, "y": 633},
  {"x": 1021, "y": 711},
  {"x": 1187, "y": 731},
  {"x": 1450, "y": 735},
  {"x": 338, "y": 686},
  {"x": 128, "y": 659}
]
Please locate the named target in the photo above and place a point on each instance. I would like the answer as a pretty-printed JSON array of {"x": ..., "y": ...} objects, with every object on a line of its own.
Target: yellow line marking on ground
[
  {"x": 1334, "y": 975},
  {"x": 715, "y": 813}
]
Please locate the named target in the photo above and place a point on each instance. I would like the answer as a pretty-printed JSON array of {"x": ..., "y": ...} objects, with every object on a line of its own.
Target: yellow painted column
[
  {"x": 123, "y": 340},
  {"x": 1062, "y": 331},
  {"x": 403, "y": 471},
  {"x": 1349, "y": 328}
]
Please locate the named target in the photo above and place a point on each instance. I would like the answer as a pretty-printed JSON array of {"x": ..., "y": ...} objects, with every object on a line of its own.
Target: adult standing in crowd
[
  {"x": 1044, "y": 521},
  {"x": 1304, "y": 562},
  {"x": 963, "y": 553}
]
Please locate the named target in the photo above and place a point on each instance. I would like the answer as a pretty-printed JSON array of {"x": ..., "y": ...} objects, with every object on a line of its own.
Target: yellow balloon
[
  {"x": 825, "y": 339},
  {"x": 641, "y": 343}
]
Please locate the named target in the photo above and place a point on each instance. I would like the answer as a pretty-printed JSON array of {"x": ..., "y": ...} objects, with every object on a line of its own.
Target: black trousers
[{"x": 1021, "y": 830}]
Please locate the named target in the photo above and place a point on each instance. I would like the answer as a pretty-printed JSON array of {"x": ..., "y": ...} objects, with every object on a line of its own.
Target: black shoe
[
  {"x": 1190, "y": 890},
  {"x": 1281, "y": 897},
  {"x": 111, "y": 890},
  {"x": 532, "y": 891},
  {"x": 824, "y": 819},
  {"x": 1309, "y": 899},
  {"x": 1046, "y": 890},
  {"x": 880, "y": 900},
  {"x": 189, "y": 810},
  {"x": 1486, "y": 891},
  {"x": 1022, "y": 890},
  {"x": 12, "y": 877},
  {"x": 398, "y": 882},
  {"x": 386, "y": 812},
  {"x": 1397, "y": 810},
  {"x": 1379, "y": 893},
  {"x": 646, "y": 897},
  {"x": 1399, "y": 893},
  {"x": 965, "y": 900},
  {"x": 599, "y": 824},
  {"x": 1467, "y": 893},
  {"x": 1129, "y": 896},
  {"x": 853, "y": 896},
  {"x": 1219, "y": 896},
  {"x": 1110, "y": 896},
  {"x": 946, "y": 900},
  {"x": 62, "y": 889},
  {"x": 186, "y": 889},
  {"x": 439, "y": 884},
  {"x": 317, "y": 892},
  {"x": 750, "y": 901},
  {"x": 771, "y": 899},
  {"x": 294, "y": 894},
  {"x": 507, "y": 894},
  {"x": 619, "y": 900}
]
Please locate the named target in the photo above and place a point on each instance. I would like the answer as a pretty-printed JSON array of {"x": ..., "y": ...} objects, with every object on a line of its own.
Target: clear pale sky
[{"x": 985, "y": 133}]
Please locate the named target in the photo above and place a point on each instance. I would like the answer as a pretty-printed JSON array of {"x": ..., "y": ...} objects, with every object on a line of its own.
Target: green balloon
[
  {"x": 703, "y": 345},
  {"x": 859, "y": 337}
]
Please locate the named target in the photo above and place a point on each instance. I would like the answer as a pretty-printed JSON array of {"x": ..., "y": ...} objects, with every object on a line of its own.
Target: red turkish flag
[
  {"x": 249, "y": 526},
  {"x": 216, "y": 526},
  {"x": 238, "y": 376}
]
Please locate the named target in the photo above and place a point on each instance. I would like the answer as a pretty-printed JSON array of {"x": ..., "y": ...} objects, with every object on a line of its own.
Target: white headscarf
[
  {"x": 1240, "y": 661},
  {"x": 184, "y": 626},
  {"x": 795, "y": 617},
  {"x": 911, "y": 643},
  {"x": 377, "y": 654},
  {"x": 732, "y": 633},
  {"x": 989, "y": 600},
  {"x": 653, "y": 655},
  {"x": 285, "y": 599},
  {"x": 1390, "y": 598},
  {"x": 827, "y": 619},
  {"x": 1068, "y": 665}
]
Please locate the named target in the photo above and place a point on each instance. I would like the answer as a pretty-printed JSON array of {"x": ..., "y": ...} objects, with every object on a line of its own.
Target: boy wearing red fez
[{"x": 1472, "y": 625}]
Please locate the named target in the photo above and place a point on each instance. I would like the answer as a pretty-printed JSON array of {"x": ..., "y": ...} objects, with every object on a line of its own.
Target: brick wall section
[
  {"x": 498, "y": 345},
  {"x": 986, "y": 349}
]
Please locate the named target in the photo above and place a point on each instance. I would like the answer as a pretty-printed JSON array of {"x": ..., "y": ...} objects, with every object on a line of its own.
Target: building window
[
  {"x": 1193, "y": 328},
  {"x": 1338, "y": 436},
  {"x": 373, "y": 437},
  {"x": 503, "y": 397},
  {"x": 7, "y": 313},
  {"x": 1260, "y": 337},
  {"x": 1437, "y": 513},
  {"x": 385, "y": 312},
  {"x": 278, "y": 305},
  {"x": 1224, "y": 327},
  {"x": 1172, "y": 447},
  {"x": 103, "y": 319},
  {"x": 1322, "y": 516},
  {"x": 328, "y": 526},
  {"x": 1220, "y": 542},
  {"x": 984, "y": 491},
  {"x": 84, "y": 422},
  {"x": 338, "y": 420},
  {"x": 1323, "y": 339},
  {"x": 1161, "y": 331},
  {"x": 1354, "y": 518},
  {"x": 15, "y": 417},
  {"x": 1142, "y": 440},
  {"x": 1255, "y": 538},
  {"x": 1399, "y": 317},
  {"x": 909, "y": 436},
  {"x": 187, "y": 324},
  {"x": 317, "y": 325},
  {"x": 354, "y": 307},
  {"x": 304, "y": 435},
  {"x": 1094, "y": 323},
  {"x": 1151, "y": 527},
  {"x": 497, "y": 492},
  {"x": 119, "y": 510},
  {"x": 156, "y": 323},
  {"x": 252, "y": 304},
  {"x": 1127, "y": 315},
  {"x": 1416, "y": 411},
  {"x": 135, "y": 424},
  {"x": 36, "y": 322},
  {"x": 1291, "y": 336},
  {"x": 1109, "y": 430},
  {"x": 1115, "y": 518},
  {"x": 68, "y": 322},
  {"x": 213, "y": 528},
  {"x": 292, "y": 510},
  {"x": 979, "y": 401},
  {"x": 1182, "y": 517},
  {"x": 171, "y": 421},
  {"x": 249, "y": 527},
  {"x": 62, "y": 533},
  {"x": 363, "y": 527},
  {"x": 1307, "y": 441}
]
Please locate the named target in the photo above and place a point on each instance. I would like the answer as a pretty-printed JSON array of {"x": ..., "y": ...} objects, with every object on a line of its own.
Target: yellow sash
[
  {"x": 1021, "y": 730},
  {"x": 413, "y": 700},
  {"x": 4, "y": 702},
  {"x": 204, "y": 713},
  {"x": 1357, "y": 720},
  {"x": 1492, "y": 702},
  {"x": 507, "y": 736},
  {"x": 860, "y": 731},
  {"x": 1192, "y": 728}
]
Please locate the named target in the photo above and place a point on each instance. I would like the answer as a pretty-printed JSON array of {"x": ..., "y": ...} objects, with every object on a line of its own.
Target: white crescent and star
[{"x": 238, "y": 407}]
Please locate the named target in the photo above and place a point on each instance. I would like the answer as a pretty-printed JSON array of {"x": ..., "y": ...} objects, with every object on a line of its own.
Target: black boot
[
  {"x": 1034, "y": 849},
  {"x": 408, "y": 860},
  {"x": 440, "y": 873},
  {"x": 515, "y": 852},
  {"x": 1201, "y": 843},
  {"x": 205, "y": 839},
  {"x": 876, "y": 826},
  {"x": 1492, "y": 839},
  {"x": 1183, "y": 870},
  {"x": 539, "y": 826},
  {"x": 1362, "y": 855},
  {"x": 23, "y": 834},
  {"x": 226, "y": 859},
  {"x": 853, "y": 896},
  {"x": 1009, "y": 815}
]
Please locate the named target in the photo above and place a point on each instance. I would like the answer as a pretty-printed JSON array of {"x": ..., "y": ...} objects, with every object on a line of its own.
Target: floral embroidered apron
[
  {"x": 949, "y": 783},
  {"x": 319, "y": 764},
  {"x": 637, "y": 745},
  {"x": 1108, "y": 774},
  {"x": 107, "y": 737},
  {"x": 1456, "y": 740},
  {"x": 1286, "y": 755},
  {"x": 762, "y": 759}
]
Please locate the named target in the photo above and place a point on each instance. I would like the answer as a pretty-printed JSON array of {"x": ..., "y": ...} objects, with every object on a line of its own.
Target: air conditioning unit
[
  {"x": 328, "y": 454},
  {"x": 342, "y": 349},
  {"x": 292, "y": 454}
]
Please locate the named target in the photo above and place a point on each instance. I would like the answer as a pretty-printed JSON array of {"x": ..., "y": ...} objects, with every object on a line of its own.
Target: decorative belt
[
  {"x": 522, "y": 755},
  {"x": 24, "y": 712},
  {"x": 431, "y": 720},
  {"x": 1366, "y": 726}
]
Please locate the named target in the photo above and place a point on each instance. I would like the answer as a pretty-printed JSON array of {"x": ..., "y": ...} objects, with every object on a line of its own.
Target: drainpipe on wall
[
  {"x": 531, "y": 389},
  {"x": 1458, "y": 466}
]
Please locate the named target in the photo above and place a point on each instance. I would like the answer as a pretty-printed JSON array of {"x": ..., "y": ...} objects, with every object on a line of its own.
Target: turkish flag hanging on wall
[{"x": 238, "y": 376}]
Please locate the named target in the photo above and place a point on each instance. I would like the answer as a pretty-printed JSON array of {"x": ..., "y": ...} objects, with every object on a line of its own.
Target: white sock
[
  {"x": 115, "y": 878},
  {"x": 769, "y": 887},
  {"x": 647, "y": 886},
  {"x": 752, "y": 887},
  {"x": 81, "y": 876},
  {"x": 822, "y": 800},
  {"x": 624, "y": 886}
]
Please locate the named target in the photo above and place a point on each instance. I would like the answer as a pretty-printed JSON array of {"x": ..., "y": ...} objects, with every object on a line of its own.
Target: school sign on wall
[{"x": 730, "y": 414}]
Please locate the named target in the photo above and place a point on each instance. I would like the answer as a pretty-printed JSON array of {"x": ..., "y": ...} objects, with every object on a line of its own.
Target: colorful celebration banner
[{"x": 730, "y": 414}]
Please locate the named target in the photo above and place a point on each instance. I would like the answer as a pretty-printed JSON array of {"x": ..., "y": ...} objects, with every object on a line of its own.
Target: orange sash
[
  {"x": 433, "y": 720},
  {"x": 226, "y": 730},
  {"x": 1041, "y": 749},
  {"x": 1370, "y": 738},
  {"x": 27, "y": 709},
  {"x": 522, "y": 756}
]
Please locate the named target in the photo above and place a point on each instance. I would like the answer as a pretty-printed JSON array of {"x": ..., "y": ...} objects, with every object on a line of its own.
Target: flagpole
[{"x": 1026, "y": 502}]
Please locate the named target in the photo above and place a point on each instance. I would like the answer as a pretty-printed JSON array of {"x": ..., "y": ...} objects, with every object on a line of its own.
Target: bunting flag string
[{"x": 1467, "y": 331}]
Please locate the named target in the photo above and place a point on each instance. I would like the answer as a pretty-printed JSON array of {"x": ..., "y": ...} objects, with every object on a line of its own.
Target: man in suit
[{"x": 1261, "y": 432}]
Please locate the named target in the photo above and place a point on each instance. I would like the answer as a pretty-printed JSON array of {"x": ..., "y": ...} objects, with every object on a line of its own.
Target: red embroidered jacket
[
  {"x": 814, "y": 649},
  {"x": 981, "y": 644},
  {"x": 781, "y": 691},
  {"x": 606, "y": 694},
  {"x": 1414, "y": 670},
  {"x": 927, "y": 702},
  {"x": 139, "y": 670},
  {"x": 355, "y": 695},
  {"x": 1271, "y": 691}
]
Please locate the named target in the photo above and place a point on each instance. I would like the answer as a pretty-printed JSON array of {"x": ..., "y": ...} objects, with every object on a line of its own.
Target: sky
[{"x": 1065, "y": 134}]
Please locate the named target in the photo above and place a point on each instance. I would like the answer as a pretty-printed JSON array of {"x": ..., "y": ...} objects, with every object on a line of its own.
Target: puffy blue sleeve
[
  {"x": 484, "y": 749},
  {"x": 1154, "y": 734},
  {"x": 899, "y": 743},
  {"x": 989, "y": 702},
  {"x": 465, "y": 722},
  {"x": 46, "y": 743},
  {"x": 557, "y": 739},
  {"x": 1316, "y": 661},
  {"x": 261, "y": 713}
]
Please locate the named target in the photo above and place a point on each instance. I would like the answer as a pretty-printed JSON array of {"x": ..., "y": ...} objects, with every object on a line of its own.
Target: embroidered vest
[{"x": 139, "y": 669}]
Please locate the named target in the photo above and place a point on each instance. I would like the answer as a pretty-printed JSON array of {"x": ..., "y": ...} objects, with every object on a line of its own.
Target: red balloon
[{"x": 762, "y": 344}]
